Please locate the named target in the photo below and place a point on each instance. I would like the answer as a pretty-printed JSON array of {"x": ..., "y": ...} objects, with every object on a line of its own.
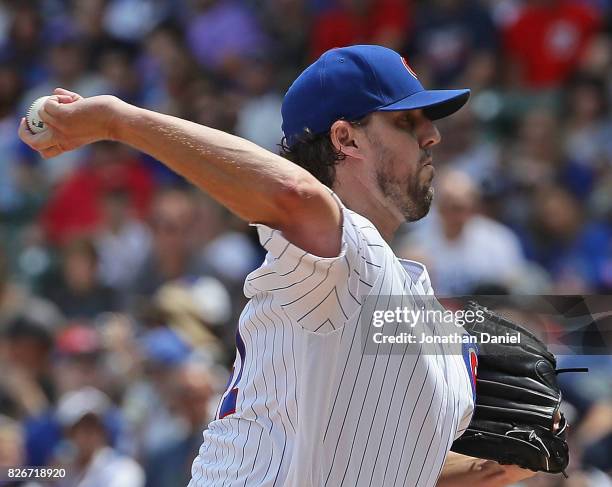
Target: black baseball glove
[{"x": 517, "y": 400}]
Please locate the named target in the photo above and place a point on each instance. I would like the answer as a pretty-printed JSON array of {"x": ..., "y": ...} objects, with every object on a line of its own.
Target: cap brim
[{"x": 435, "y": 103}]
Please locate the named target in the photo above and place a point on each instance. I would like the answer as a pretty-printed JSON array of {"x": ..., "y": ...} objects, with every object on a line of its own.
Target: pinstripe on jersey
[{"x": 311, "y": 409}]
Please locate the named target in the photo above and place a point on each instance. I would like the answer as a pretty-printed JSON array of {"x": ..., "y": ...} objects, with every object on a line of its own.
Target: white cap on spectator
[
  {"x": 74, "y": 406},
  {"x": 206, "y": 299},
  {"x": 212, "y": 300}
]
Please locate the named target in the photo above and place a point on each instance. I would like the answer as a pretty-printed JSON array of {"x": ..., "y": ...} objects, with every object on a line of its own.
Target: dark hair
[
  {"x": 316, "y": 153},
  {"x": 24, "y": 326}
]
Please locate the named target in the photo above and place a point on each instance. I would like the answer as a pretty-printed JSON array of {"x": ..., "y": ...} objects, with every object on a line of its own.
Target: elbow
[
  {"x": 310, "y": 218},
  {"x": 296, "y": 195}
]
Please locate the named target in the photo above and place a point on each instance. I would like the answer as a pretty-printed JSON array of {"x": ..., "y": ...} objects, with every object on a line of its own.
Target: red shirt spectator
[
  {"x": 548, "y": 38},
  {"x": 350, "y": 22},
  {"x": 75, "y": 208}
]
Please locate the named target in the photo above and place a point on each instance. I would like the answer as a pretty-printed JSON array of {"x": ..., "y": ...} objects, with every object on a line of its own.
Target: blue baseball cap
[{"x": 350, "y": 82}]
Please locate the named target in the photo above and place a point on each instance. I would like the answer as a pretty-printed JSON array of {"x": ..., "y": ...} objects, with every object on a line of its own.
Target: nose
[{"x": 430, "y": 135}]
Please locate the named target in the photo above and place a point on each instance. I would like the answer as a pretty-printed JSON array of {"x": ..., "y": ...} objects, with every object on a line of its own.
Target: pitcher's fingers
[
  {"x": 73, "y": 96},
  {"x": 51, "y": 152},
  {"x": 64, "y": 98},
  {"x": 47, "y": 117},
  {"x": 24, "y": 132},
  {"x": 40, "y": 141},
  {"x": 53, "y": 106}
]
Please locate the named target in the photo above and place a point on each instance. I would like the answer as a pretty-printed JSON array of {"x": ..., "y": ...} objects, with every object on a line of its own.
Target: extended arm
[{"x": 252, "y": 182}]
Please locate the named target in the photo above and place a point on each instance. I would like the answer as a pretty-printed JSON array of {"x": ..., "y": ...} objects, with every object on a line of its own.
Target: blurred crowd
[{"x": 121, "y": 285}]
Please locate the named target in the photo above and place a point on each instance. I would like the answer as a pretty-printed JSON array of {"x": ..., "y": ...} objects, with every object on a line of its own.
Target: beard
[{"x": 411, "y": 197}]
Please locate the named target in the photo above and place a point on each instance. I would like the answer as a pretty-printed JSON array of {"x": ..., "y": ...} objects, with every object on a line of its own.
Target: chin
[{"x": 416, "y": 211}]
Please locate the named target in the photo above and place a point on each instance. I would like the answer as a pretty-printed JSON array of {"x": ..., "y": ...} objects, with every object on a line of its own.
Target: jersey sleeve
[{"x": 320, "y": 294}]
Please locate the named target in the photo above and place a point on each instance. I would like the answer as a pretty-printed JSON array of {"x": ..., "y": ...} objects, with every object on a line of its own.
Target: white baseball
[{"x": 35, "y": 124}]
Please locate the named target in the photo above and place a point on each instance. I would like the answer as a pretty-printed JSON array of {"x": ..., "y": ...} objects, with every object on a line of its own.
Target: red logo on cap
[
  {"x": 474, "y": 366},
  {"x": 407, "y": 66}
]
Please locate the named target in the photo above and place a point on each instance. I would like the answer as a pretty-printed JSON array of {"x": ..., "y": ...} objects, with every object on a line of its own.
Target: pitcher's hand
[
  {"x": 72, "y": 121},
  {"x": 463, "y": 471}
]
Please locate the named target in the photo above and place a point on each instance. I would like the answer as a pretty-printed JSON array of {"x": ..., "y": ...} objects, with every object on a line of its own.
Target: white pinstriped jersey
[{"x": 305, "y": 407}]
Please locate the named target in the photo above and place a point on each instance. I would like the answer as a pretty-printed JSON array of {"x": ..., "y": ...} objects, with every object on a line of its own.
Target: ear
[{"x": 343, "y": 136}]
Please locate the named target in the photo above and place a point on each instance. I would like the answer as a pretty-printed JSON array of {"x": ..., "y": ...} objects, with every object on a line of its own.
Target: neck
[{"x": 372, "y": 205}]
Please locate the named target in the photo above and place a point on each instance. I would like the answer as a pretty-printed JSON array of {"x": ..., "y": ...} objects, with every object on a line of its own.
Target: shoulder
[
  {"x": 357, "y": 232},
  {"x": 297, "y": 276}
]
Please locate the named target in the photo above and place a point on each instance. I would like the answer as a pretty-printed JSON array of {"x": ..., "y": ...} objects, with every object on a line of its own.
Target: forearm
[
  {"x": 254, "y": 183},
  {"x": 463, "y": 471}
]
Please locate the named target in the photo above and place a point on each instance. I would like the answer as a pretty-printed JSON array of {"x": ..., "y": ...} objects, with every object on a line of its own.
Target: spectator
[
  {"x": 24, "y": 40},
  {"x": 87, "y": 17},
  {"x": 545, "y": 43},
  {"x": 600, "y": 207},
  {"x": 588, "y": 140},
  {"x": 532, "y": 159},
  {"x": 465, "y": 249},
  {"x": 117, "y": 65},
  {"x": 166, "y": 68},
  {"x": 80, "y": 294},
  {"x": 537, "y": 154},
  {"x": 259, "y": 118},
  {"x": 85, "y": 357},
  {"x": 285, "y": 22},
  {"x": 82, "y": 360},
  {"x": 573, "y": 250},
  {"x": 121, "y": 23},
  {"x": 122, "y": 242},
  {"x": 11, "y": 85},
  {"x": 12, "y": 450},
  {"x": 597, "y": 59},
  {"x": 29, "y": 343},
  {"x": 15, "y": 300},
  {"x": 173, "y": 254},
  {"x": 221, "y": 235},
  {"x": 344, "y": 22},
  {"x": 192, "y": 391},
  {"x": 455, "y": 41},
  {"x": 222, "y": 34},
  {"x": 210, "y": 106},
  {"x": 469, "y": 150},
  {"x": 67, "y": 65},
  {"x": 195, "y": 310},
  {"x": 146, "y": 405},
  {"x": 11, "y": 443},
  {"x": 28, "y": 382},
  {"x": 75, "y": 207},
  {"x": 93, "y": 461}
]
